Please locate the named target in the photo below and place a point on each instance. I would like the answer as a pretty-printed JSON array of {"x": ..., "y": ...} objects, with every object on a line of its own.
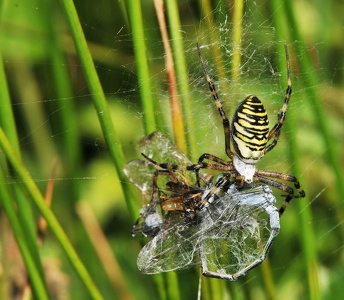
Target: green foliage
[{"x": 83, "y": 84}]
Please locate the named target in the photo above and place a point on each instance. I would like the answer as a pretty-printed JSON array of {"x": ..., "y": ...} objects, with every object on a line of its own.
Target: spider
[
  {"x": 250, "y": 136},
  {"x": 228, "y": 235}
]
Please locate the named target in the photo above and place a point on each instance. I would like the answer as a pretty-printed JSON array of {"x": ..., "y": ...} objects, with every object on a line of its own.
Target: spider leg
[
  {"x": 211, "y": 158},
  {"x": 281, "y": 186},
  {"x": 276, "y": 130},
  {"x": 225, "y": 121},
  {"x": 195, "y": 167},
  {"x": 285, "y": 177},
  {"x": 162, "y": 172}
]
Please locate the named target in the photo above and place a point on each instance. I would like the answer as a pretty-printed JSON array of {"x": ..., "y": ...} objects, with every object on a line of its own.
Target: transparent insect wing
[
  {"x": 161, "y": 149},
  {"x": 158, "y": 147},
  {"x": 233, "y": 234},
  {"x": 140, "y": 174},
  {"x": 175, "y": 248},
  {"x": 238, "y": 230}
]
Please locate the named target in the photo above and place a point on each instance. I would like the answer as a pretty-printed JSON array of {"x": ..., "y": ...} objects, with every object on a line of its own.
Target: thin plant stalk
[
  {"x": 67, "y": 112},
  {"x": 147, "y": 99},
  {"x": 53, "y": 223},
  {"x": 160, "y": 282},
  {"x": 99, "y": 100},
  {"x": 25, "y": 213},
  {"x": 173, "y": 286},
  {"x": 149, "y": 103},
  {"x": 212, "y": 26},
  {"x": 42, "y": 223},
  {"x": 238, "y": 11},
  {"x": 6, "y": 112},
  {"x": 311, "y": 82},
  {"x": 182, "y": 74},
  {"x": 20, "y": 223},
  {"x": 104, "y": 251},
  {"x": 307, "y": 235},
  {"x": 176, "y": 110},
  {"x": 36, "y": 280},
  {"x": 143, "y": 73},
  {"x": 48, "y": 197},
  {"x": 268, "y": 279}
]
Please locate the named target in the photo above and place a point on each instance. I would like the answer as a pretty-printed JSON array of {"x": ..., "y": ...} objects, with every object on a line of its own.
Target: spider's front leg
[
  {"x": 276, "y": 130},
  {"x": 211, "y": 158},
  {"x": 225, "y": 121},
  {"x": 195, "y": 167}
]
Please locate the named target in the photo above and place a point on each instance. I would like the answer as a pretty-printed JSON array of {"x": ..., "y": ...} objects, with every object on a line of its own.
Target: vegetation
[{"x": 81, "y": 84}]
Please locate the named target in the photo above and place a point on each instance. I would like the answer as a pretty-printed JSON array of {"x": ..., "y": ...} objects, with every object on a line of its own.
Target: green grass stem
[
  {"x": 37, "y": 281},
  {"x": 311, "y": 83},
  {"x": 67, "y": 112},
  {"x": 238, "y": 10},
  {"x": 144, "y": 78},
  {"x": 148, "y": 100},
  {"x": 99, "y": 99},
  {"x": 182, "y": 74},
  {"x": 6, "y": 113},
  {"x": 307, "y": 237},
  {"x": 45, "y": 211},
  {"x": 25, "y": 213}
]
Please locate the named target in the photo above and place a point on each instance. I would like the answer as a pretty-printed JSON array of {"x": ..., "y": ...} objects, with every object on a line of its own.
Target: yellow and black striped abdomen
[{"x": 250, "y": 129}]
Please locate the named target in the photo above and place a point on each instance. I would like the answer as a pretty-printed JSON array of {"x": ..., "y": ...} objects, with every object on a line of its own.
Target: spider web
[
  {"x": 234, "y": 235},
  {"x": 258, "y": 72}
]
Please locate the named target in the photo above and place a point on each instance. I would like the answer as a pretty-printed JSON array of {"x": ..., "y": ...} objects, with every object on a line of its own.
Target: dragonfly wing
[
  {"x": 161, "y": 149},
  {"x": 238, "y": 230},
  {"x": 158, "y": 147},
  {"x": 140, "y": 173},
  {"x": 173, "y": 249}
]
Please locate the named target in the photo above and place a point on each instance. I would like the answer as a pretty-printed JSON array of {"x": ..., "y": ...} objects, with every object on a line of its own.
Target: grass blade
[
  {"x": 144, "y": 78},
  {"x": 99, "y": 99},
  {"x": 36, "y": 280},
  {"x": 25, "y": 215},
  {"x": 182, "y": 74},
  {"x": 48, "y": 215}
]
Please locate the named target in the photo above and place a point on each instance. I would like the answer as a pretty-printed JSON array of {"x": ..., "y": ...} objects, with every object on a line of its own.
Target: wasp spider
[{"x": 251, "y": 139}]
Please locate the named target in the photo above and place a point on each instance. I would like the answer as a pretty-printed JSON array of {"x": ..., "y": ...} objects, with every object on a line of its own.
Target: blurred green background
[{"x": 61, "y": 119}]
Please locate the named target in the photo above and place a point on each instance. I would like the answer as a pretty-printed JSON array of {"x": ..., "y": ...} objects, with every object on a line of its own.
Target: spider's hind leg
[{"x": 282, "y": 186}]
